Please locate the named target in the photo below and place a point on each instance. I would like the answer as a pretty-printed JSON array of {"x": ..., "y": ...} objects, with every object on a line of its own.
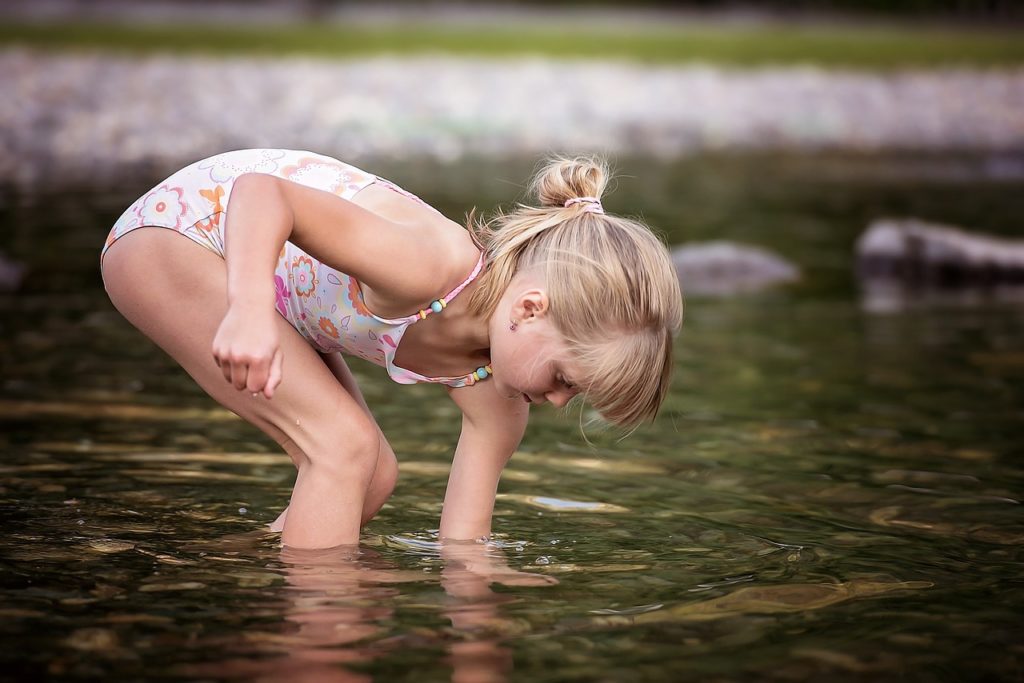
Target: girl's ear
[{"x": 531, "y": 303}]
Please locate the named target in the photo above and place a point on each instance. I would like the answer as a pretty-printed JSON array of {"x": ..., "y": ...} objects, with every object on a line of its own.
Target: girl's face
[{"x": 531, "y": 363}]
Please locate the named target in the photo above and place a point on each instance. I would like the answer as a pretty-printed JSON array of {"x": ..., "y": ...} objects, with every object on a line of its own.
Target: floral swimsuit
[{"x": 324, "y": 305}]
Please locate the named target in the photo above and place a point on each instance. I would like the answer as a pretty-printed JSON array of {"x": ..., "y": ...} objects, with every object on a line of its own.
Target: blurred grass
[{"x": 871, "y": 47}]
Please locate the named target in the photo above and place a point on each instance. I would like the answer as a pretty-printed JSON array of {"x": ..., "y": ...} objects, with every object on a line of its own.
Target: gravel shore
[{"x": 81, "y": 115}]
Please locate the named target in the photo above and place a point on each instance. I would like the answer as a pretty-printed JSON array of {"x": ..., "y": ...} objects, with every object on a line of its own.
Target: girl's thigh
[{"x": 175, "y": 292}]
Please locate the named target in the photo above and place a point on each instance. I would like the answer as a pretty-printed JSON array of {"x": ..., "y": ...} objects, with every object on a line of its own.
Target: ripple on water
[
  {"x": 562, "y": 504},
  {"x": 172, "y": 587},
  {"x": 591, "y": 568},
  {"x": 953, "y": 521},
  {"x": 777, "y": 599},
  {"x": 108, "y": 411},
  {"x": 429, "y": 469},
  {"x": 226, "y": 458},
  {"x": 611, "y": 465},
  {"x": 109, "y": 545},
  {"x": 178, "y": 476},
  {"x": 426, "y": 547},
  {"x": 628, "y": 611}
]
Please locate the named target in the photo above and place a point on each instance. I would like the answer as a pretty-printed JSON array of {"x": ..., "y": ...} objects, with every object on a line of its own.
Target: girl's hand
[
  {"x": 471, "y": 566},
  {"x": 247, "y": 348}
]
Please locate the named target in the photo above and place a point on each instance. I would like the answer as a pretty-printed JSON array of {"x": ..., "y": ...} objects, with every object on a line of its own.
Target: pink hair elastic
[{"x": 593, "y": 204}]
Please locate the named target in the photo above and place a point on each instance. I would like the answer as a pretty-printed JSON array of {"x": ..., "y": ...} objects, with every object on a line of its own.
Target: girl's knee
[
  {"x": 387, "y": 470},
  {"x": 383, "y": 485},
  {"x": 354, "y": 449}
]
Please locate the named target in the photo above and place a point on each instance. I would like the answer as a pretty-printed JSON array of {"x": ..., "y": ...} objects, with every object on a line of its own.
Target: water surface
[{"x": 829, "y": 493}]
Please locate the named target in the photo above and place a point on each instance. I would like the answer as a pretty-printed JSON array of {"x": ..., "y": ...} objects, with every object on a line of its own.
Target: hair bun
[{"x": 566, "y": 178}]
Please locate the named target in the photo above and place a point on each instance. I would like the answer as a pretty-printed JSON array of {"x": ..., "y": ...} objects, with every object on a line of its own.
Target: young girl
[{"x": 294, "y": 258}]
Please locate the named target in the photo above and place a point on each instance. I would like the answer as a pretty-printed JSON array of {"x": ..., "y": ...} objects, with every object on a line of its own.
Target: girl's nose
[{"x": 558, "y": 399}]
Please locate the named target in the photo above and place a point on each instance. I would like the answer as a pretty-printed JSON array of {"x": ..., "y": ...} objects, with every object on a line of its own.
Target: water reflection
[
  {"x": 479, "y": 655},
  {"x": 333, "y": 609},
  {"x": 334, "y": 614}
]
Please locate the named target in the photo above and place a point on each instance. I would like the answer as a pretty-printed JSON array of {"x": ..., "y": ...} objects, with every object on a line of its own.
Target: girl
[{"x": 294, "y": 258}]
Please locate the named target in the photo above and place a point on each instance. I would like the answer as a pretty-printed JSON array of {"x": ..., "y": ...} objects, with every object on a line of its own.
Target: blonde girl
[{"x": 294, "y": 259}]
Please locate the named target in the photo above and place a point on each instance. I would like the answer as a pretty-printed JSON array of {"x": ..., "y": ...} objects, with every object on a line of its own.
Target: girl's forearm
[
  {"x": 259, "y": 222},
  {"x": 466, "y": 520},
  {"x": 472, "y": 486}
]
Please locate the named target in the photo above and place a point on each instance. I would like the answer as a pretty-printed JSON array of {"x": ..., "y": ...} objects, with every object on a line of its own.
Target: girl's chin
[
  {"x": 506, "y": 390},
  {"x": 513, "y": 393}
]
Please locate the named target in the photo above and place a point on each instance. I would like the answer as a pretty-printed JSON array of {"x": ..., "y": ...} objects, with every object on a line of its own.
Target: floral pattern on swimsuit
[{"x": 323, "y": 304}]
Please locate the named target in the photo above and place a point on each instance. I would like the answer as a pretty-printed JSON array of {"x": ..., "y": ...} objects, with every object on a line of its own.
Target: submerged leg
[{"x": 175, "y": 292}]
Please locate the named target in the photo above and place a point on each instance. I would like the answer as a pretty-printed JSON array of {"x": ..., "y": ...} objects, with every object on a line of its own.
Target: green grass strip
[{"x": 832, "y": 46}]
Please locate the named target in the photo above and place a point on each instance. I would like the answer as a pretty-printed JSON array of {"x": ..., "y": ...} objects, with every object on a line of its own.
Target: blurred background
[{"x": 832, "y": 489}]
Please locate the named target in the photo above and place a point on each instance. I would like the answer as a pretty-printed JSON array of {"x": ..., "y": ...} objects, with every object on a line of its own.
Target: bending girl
[{"x": 294, "y": 259}]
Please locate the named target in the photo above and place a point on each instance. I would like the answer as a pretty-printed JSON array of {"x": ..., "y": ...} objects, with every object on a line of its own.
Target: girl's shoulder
[{"x": 446, "y": 244}]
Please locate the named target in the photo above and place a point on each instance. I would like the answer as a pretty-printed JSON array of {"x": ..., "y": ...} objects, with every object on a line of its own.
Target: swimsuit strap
[{"x": 437, "y": 305}]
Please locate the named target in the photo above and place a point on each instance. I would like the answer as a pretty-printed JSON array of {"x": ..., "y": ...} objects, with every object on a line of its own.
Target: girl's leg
[
  {"x": 174, "y": 291},
  {"x": 387, "y": 463}
]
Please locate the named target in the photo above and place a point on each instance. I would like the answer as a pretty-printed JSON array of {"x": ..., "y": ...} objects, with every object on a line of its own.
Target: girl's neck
[
  {"x": 467, "y": 334},
  {"x": 449, "y": 343}
]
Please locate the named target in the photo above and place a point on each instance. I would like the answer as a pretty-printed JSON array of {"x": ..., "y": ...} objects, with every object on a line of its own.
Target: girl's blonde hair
[{"x": 614, "y": 294}]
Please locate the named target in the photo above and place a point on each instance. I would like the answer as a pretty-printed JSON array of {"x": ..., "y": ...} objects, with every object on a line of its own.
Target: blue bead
[
  {"x": 482, "y": 372},
  {"x": 436, "y": 307}
]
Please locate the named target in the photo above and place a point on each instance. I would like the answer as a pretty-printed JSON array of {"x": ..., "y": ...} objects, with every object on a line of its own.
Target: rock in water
[
  {"x": 723, "y": 268},
  {"x": 12, "y": 274},
  {"x": 908, "y": 261}
]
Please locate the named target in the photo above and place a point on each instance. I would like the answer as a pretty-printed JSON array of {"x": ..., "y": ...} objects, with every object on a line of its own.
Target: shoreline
[
  {"x": 491, "y": 14},
  {"x": 79, "y": 114}
]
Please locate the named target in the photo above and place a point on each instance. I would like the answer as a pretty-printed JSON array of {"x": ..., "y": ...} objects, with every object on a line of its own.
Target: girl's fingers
[
  {"x": 275, "y": 374},
  {"x": 239, "y": 373},
  {"x": 257, "y": 377},
  {"x": 225, "y": 369}
]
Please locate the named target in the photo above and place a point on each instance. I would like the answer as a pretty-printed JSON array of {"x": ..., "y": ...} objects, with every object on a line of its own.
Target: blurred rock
[
  {"x": 724, "y": 268},
  {"x": 908, "y": 261},
  {"x": 11, "y": 274}
]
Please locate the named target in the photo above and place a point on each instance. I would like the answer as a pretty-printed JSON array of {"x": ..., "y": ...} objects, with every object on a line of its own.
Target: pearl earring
[{"x": 513, "y": 325}]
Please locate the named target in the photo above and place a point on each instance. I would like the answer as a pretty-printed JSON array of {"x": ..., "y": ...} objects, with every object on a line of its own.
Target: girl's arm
[
  {"x": 397, "y": 261},
  {"x": 401, "y": 263},
  {"x": 492, "y": 427}
]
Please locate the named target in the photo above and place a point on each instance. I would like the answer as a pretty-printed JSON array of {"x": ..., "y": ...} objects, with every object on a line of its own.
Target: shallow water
[{"x": 829, "y": 493}]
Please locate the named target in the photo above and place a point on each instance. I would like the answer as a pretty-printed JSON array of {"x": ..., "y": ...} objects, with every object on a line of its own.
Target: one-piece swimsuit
[{"x": 323, "y": 304}]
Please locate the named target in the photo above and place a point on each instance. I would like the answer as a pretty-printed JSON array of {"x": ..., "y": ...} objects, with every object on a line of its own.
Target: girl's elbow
[
  {"x": 251, "y": 183},
  {"x": 259, "y": 194}
]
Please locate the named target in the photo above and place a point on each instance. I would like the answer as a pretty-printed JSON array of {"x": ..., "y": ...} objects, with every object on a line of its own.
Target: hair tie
[{"x": 593, "y": 204}]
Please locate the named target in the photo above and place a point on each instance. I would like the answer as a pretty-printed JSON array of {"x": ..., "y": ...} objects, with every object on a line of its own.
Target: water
[{"x": 829, "y": 493}]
